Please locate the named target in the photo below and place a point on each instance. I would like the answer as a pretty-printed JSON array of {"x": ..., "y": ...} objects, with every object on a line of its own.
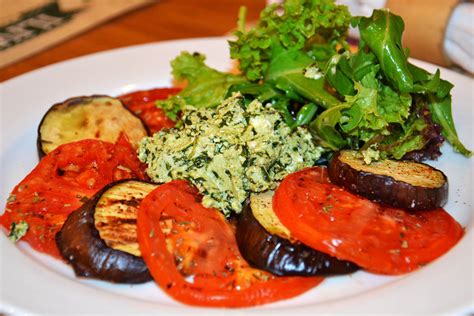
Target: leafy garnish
[
  {"x": 206, "y": 87},
  {"x": 287, "y": 71},
  {"x": 383, "y": 34},
  {"x": 441, "y": 113},
  {"x": 18, "y": 230},
  {"x": 289, "y": 46},
  {"x": 436, "y": 93},
  {"x": 297, "y": 59},
  {"x": 387, "y": 100},
  {"x": 316, "y": 27}
]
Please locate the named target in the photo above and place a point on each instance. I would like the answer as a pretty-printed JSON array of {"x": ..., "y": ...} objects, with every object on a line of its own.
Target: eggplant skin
[
  {"x": 394, "y": 183},
  {"x": 80, "y": 244},
  {"x": 280, "y": 256}
]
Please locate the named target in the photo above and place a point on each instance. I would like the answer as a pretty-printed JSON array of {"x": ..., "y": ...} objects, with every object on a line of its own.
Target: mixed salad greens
[{"x": 298, "y": 59}]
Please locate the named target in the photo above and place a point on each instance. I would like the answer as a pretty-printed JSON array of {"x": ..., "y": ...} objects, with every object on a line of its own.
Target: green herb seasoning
[{"x": 18, "y": 230}]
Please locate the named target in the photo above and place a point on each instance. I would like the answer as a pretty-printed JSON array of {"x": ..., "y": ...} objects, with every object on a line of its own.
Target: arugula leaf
[
  {"x": 441, "y": 113},
  {"x": 339, "y": 74},
  {"x": 424, "y": 82},
  {"x": 286, "y": 72},
  {"x": 324, "y": 128},
  {"x": 206, "y": 87},
  {"x": 382, "y": 32},
  {"x": 385, "y": 97},
  {"x": 437, "y": 94},
  {"x": 363, "y": 62}
]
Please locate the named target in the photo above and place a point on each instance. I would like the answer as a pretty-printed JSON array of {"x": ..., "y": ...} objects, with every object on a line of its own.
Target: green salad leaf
[
  {"x": 316, "y": 27},
  {"x": 290, "y": 72},
  {"x": 440, "y": 109},
  {"x": 289, "y": 46},
  {"x": 368, "y": 114},
  {"x": 206, "y": 87},
  {"x": 297, "y": 59},
  {"x": 382, "y": 32},
  {"x": 436, "y": 92},
  {"x": 339, "y": 74},
  {"x": 386, "y": 98},
  {"x": 265, "y": 93}
]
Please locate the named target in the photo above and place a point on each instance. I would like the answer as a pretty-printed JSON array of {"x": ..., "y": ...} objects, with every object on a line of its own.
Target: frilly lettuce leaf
[
  {"x": 363, "y": 116},
  {"x": 206, "y": 87},
  {"x": 314, "y": 26}
]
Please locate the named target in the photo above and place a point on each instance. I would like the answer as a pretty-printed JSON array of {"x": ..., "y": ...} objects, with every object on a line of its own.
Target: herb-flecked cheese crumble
[{"x": 229, "y": 151}]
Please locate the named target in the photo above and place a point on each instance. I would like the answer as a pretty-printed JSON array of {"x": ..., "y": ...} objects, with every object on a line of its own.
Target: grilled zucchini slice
[
  {"x": 88, "y": 117},
  {"x": 99, "y": 239},
  {"x": 268, "y": 245},
  {"x": 405, "y": 184}
]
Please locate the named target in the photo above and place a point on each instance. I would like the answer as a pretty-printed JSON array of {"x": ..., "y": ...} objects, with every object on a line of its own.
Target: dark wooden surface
[{"x": 160, "y": 21}]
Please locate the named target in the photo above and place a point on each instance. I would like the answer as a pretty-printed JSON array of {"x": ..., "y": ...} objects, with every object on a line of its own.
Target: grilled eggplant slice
[
  {"x": 403, "y": 184},
  {"x": 273, "y": 249},
  {"x": 99, "y": 239},
  {"x": 94, "y": 117}
]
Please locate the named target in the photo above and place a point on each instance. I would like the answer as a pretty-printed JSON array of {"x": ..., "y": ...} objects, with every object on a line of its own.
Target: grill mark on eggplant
[
  {"x": 116, "y": 213},
  {"x": 280, "y": 256},
  {"x": 80, "y": 244},
  {"x": 115, "y": 222},
  {"x": 119, "y": 233},
  {"x": 133, "y": 202}
]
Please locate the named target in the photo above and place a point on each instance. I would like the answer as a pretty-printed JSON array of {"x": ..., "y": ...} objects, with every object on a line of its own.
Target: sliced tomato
[
  {"x": 378, "y": 238},
  {"x": 180, "y": 240},
  {"x": 62, "y": 181},
  {"x": 143, "y": 104}
]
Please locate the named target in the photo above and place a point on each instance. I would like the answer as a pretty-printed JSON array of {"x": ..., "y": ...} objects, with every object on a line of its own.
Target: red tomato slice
[
  {"x": 142, "y": 103},
  {"x": 179, "y": 238},
  {"x": 62, "y": 181},
  {"x": 378, "y": 238}
]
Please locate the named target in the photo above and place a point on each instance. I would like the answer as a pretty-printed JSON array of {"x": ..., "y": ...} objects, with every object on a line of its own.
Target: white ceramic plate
[{"x": 32, "y": 282}]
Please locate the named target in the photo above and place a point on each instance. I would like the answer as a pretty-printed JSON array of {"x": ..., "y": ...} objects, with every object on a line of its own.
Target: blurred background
[{"x": 36, "y": 33}]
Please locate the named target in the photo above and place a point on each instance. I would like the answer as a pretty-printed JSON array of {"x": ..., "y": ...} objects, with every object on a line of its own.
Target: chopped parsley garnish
[{"x": 18, "y": 230}]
